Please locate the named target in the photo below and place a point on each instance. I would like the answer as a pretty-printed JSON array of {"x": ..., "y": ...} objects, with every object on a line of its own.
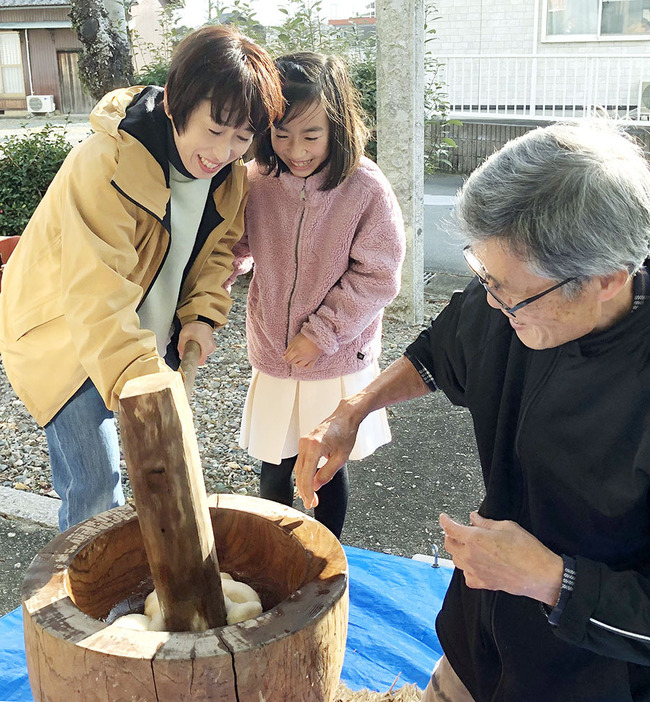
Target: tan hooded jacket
[{"x": 90, "y": 251}]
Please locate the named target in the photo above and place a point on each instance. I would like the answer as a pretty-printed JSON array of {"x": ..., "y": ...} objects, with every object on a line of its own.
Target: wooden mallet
[{"x": 162, "y": 459}]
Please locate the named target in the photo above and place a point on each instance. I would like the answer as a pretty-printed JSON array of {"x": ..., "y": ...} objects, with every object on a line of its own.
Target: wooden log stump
[{"x": 292, "y": 652}]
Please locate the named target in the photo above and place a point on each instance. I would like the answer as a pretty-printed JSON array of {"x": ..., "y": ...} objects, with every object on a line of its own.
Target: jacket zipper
[
  {"x": 496, "y": 643},
  {"x": 533, "y": 396},
  {"x": 303, "y": 197},
  {"x": 169, "y": 241}
]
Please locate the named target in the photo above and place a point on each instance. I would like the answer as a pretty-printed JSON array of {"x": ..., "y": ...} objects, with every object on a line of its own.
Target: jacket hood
[
  {"x": 111, "y": 109},
  {"x": 135, "y": 118},
  {"x": 139, "y": 112}
]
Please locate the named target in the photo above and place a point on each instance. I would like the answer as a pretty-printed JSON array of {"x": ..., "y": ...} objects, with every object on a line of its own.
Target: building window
[
  {"x": 593, "y": 20},
  {"x": 11, "y": 67}
]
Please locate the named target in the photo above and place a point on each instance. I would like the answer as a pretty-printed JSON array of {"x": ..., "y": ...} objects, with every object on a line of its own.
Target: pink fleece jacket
[{"x": 325, "y": 263}]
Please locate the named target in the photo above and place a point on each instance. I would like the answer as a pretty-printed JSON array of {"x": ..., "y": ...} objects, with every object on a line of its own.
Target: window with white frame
[
  {"x": 11, "y": 66},
  {"x": 589, "y": 20}
]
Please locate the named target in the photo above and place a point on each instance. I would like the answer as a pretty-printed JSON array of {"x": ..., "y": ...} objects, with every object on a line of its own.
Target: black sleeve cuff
[
  {"x": 424, "y": 372},
  {"x": 205, "y": 320}
]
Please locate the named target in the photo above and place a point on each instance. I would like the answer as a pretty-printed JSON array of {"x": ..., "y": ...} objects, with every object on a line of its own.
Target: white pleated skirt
[{"x": 278, "y": 411}]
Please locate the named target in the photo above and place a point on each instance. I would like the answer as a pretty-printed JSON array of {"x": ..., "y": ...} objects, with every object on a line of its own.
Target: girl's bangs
[{"x": 299, "y": 97}]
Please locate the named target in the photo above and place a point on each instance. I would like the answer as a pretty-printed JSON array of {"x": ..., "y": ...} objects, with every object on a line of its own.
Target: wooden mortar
[
  {"x": 292, "y": 652},
  {"x": 178, "y": 541}
]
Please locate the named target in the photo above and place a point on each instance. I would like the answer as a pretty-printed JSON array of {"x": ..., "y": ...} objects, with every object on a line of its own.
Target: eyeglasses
[{"x": 478, "y": 269}]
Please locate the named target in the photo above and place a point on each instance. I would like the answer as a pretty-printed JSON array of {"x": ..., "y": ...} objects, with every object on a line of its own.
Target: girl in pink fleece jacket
[{"x": 326, "y": 236}]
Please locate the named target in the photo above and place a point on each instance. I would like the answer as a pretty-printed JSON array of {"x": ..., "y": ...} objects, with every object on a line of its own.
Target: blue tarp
[{"x": 393, "y": 605}]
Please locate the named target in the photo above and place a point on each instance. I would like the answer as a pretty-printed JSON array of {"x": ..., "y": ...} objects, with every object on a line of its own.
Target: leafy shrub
[
  {"x": 28, "y": 163},
  {"x": 155, "y": 74}
]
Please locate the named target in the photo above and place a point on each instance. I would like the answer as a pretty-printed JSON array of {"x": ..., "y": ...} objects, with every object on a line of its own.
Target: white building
[{"x": 545, "y": 59}]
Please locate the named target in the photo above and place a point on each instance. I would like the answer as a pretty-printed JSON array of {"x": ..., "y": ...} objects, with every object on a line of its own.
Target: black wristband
[{"x": 568, "y": 582}]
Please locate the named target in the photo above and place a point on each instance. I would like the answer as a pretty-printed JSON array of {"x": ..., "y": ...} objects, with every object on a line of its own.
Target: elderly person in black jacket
[{"x": 549, "y": 348}]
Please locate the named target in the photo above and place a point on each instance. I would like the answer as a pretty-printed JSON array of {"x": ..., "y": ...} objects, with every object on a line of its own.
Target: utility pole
[{"x": 400, "y": 134}]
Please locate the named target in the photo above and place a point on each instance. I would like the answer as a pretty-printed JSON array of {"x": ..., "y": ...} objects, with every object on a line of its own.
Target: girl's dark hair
[
  {"x": 307, "y": 79},
  {"x": 219, "y": 64}
]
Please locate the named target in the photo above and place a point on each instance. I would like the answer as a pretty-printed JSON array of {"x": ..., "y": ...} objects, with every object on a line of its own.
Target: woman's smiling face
[{"x": 205, "y": 146}]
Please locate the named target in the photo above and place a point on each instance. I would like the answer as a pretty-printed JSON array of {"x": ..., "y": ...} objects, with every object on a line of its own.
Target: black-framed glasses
[{"x": 478, "y": 269}]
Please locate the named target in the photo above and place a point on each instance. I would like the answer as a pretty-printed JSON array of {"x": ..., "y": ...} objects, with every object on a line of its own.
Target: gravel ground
[
  {"x": 395, "y": 495},
  {"x": 218, "y": 399}
]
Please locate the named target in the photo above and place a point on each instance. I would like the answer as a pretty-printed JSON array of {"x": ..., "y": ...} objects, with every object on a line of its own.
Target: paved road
[
  {"x": 76, "y": 128},
  {"x": 27, "y": 524},
  {"x": 443, "y": 249}
]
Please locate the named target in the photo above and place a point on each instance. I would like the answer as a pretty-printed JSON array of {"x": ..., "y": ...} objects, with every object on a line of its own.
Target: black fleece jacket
[{"x": 564, "y": 441}]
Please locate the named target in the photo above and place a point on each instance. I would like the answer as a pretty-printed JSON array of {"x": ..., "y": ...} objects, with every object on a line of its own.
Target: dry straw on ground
[{"x": 408, "y": 693}]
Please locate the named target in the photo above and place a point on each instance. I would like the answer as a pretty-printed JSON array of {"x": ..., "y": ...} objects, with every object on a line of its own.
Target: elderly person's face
[{"x": 552, "y": 319}]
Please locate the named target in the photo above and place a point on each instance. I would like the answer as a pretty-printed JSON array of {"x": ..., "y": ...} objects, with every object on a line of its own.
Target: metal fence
[
  {"x": 475, "y": 141},
  {"x": 547, "y": 87}
]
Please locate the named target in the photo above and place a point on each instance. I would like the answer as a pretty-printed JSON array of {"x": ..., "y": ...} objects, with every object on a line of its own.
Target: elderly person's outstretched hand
[{"x": 332, "y": 439}]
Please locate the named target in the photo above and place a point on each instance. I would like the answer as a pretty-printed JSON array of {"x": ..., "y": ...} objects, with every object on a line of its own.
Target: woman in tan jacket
[{"x": 125, "y": 258}]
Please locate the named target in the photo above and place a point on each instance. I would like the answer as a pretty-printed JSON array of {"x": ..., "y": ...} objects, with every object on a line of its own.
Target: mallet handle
[{"x": 189, "y": 364}]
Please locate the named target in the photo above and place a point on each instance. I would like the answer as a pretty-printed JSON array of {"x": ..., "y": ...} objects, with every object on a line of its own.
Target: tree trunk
[{"x": 105, "y": 63}]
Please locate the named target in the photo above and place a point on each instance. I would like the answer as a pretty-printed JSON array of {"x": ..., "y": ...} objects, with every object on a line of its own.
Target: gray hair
[{"x": 570, "y": 200}]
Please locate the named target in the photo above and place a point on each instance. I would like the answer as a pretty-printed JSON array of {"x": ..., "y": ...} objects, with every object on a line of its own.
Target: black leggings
[{"x": 276, "y": 483}]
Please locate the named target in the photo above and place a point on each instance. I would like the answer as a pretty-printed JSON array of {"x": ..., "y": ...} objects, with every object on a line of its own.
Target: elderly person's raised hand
[
  {"x": 501, "y": 555},
  {"x": 334, "y": 440}
]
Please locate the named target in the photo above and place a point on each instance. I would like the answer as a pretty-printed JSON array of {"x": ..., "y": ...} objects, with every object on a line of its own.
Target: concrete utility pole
[{"x": 400, "y": 134}]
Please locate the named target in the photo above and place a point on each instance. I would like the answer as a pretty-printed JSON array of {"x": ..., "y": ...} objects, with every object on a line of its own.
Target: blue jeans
[{"x": 85, "y": 457}]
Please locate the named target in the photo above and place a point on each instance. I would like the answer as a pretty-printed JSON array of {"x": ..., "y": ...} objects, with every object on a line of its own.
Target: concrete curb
[
  {"x": 18, "y": 504},
  {"x": 445, "y": 284}
]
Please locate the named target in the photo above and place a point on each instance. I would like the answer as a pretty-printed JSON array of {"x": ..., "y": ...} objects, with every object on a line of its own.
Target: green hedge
[{"x": 28, "y": 163}]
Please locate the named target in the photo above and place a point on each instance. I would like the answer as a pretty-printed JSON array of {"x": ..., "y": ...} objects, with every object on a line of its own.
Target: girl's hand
[
  {"x": 302, "y": 352},
  {"x": 200, "y": 332}
]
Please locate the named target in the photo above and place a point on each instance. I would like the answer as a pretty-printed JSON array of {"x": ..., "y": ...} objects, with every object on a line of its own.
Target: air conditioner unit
[
  {"x": 40, "y": 103},
  {"x": 644, "y": 99}
]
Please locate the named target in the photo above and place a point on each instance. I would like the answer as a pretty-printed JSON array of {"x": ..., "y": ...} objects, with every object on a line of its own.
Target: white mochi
[
  {"x": 239, "y": 612},
  {"x": 152, "y": 605},
  {"x": 157, "y": 623},
  {"x": 242, "y": 602},
  {"x": 239, "y": 592},
  {"x": 137, "y": 622}
]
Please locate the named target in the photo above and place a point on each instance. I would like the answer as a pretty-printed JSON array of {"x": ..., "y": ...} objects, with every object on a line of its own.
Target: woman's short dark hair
[
  {"x": 219, "y": 64},
  {"x": 308, "y": 79}
]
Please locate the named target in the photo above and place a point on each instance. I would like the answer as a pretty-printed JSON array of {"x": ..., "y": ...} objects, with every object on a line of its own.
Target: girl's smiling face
[
  {"x": 302, "y": 142},
  {"x": 205, "y": 146}
]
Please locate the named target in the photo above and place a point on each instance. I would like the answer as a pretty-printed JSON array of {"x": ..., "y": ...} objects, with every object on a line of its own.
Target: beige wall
[{"x": 147, "y": 32}]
